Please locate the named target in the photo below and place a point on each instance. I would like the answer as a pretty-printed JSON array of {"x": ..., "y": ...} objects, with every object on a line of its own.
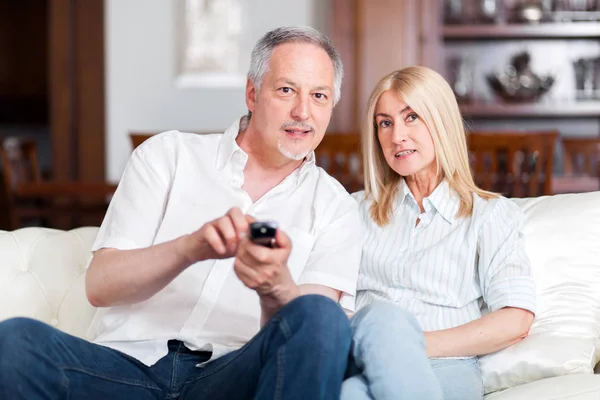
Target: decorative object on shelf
[
  {"x": 535, "y": 11},
  {"x": 453, "y": 11},
  {"x": 576, "y": 5},
  {"x": 587, "y": 78},
  {"x": 470, "y": 11},
  {"x": 517, "y": 82},
  {"x": 488, "y": 10},
  {"x": 461, "y": 72},
  {"x": 530, "y": 11}
]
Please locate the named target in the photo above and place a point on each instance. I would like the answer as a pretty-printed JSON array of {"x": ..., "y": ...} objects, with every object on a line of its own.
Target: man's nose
[{"x": 300, "y": 110}]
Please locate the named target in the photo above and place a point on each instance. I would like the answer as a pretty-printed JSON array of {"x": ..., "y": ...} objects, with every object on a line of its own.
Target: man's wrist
[
  {"x": 271, "y": 303},
  {"x": 183, "y": 249}
]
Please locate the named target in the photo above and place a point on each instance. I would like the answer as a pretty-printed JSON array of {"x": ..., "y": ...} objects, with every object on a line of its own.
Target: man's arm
[
  {"x": 322, "y": 290},
  {"x": 117, "y": 277},
  {"x": 492, "y": 332},
  {"x": 268, "y": 309},
  {"x": 265, "y": 270}
]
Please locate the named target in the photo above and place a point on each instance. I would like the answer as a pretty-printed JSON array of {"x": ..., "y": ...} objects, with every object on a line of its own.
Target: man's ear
[{"x": 251, "y": 95}]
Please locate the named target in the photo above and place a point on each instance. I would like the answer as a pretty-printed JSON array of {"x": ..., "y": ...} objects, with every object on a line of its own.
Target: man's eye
[
  {"x": 320, "y": 96},
  {"x": 286, "y": 90}
]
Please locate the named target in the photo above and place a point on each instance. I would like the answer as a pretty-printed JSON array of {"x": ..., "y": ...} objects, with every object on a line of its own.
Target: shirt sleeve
[
  {"x": 136, "y": 209},
  {"x": 335, "y": 257},
  {"x": 504, "y": 267}
]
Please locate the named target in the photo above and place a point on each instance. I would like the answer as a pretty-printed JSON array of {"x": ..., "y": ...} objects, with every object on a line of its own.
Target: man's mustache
[{"x": 298, "y": 125}]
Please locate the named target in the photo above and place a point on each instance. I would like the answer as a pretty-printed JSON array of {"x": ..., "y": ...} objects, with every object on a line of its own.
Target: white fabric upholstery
[
  {"x": 571, "y": 387},
  {"x": 42, "y": 276},
  {"x": 562, "y": 238}
]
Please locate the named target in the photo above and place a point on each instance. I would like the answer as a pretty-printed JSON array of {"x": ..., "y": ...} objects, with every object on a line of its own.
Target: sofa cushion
[
  {"x": 571, "y": 387},
  {"x": 562, "y": 239},
  {"x": 42, "y": 276}
]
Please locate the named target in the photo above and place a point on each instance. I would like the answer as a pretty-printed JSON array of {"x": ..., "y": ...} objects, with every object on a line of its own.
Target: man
[{"x": 182, "y": 292}]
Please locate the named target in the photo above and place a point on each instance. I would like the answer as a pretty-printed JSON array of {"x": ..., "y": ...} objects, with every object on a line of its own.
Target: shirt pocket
[{"x": 302, "y": 244}]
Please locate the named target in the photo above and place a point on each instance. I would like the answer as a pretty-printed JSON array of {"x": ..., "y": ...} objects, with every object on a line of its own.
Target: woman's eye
[
  {"x": 384, "y": 124},
  {"x": 412, "y": 117}
]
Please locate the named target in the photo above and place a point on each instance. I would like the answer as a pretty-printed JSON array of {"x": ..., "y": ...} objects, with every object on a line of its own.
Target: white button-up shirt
[
  {"x": 173, "y": 184},
  {"x": 443, "y": 269}
]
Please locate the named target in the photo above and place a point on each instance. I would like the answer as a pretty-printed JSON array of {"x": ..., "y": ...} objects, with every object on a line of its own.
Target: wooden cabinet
[{"x": 52, "y": 84}]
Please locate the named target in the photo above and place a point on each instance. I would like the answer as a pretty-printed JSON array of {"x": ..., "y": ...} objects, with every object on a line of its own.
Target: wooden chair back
[
  {"x": 340, "y": 155},
  {"x": 31, "y": 200},
  {"x": 137, "y": 138},
  {"x": 581, "y": 156},
  {"x": 515, "y": 164},
  {"x": 19, "y": 162}
]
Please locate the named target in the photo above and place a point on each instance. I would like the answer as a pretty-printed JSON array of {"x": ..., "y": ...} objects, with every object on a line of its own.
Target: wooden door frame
[{"x": 77, "y": 89}]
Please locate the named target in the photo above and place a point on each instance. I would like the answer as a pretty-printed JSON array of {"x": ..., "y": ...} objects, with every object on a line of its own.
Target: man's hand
[
  {"x": 265, "y": 270},
  {"x": 217, "y": 239}
]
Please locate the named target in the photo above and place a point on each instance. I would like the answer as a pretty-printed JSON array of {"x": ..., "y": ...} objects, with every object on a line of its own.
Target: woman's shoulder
[
  {"x": 495, "y": 209},
  {"x": 364, "y": 207}
]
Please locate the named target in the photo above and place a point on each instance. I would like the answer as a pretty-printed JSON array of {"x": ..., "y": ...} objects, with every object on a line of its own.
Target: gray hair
[{"x": 261, "y": 54}]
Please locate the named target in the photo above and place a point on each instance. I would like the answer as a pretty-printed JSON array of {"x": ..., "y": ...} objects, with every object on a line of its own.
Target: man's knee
[
  {"x": 323, "y": 320},
  {"x": 19, "y": 336},
  {"x": 18, "y": 330}
]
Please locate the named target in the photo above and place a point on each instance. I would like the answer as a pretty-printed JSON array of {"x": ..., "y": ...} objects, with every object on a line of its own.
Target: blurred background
[{"x": 84, "y": 81}]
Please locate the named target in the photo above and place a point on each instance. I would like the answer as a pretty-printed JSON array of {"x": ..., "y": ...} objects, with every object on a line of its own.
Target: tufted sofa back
[{"x": 31, "y": 284}]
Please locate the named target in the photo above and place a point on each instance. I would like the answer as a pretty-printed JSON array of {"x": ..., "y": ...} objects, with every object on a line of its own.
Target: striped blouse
[{"x": 445, "y": 269}]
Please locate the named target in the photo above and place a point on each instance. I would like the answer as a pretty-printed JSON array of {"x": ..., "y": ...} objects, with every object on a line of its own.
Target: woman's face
[{"x": 404, "y": 137}]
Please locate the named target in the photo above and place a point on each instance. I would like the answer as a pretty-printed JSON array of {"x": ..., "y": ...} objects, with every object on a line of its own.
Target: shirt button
[{"x": 54, "y": 322}]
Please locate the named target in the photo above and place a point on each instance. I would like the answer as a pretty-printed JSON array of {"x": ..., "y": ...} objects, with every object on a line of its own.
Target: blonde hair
[{"x": 430, "y": 96}]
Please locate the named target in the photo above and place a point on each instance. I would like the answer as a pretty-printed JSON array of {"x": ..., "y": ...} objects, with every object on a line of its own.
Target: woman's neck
[{"x": 421, "y": 186}]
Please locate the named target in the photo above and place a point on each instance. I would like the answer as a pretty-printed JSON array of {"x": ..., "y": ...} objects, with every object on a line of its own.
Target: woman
[{"x": 437, "y": 247}]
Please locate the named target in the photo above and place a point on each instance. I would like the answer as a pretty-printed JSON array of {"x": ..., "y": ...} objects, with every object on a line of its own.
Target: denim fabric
[
  {"x": 389, "y": 361},
  {"x": 300, "y": 354}
]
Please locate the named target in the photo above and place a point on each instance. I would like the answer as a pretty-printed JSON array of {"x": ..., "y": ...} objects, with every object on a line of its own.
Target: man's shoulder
[
  {"x": 329, "y": 195},
  {"x": 179, "y": 138},
  {"x": 172, "y": 143},
  {"x": 330, "y": 185}
]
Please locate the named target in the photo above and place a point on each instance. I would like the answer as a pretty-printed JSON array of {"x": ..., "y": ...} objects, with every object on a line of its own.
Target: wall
[{"x": 141, "y": 94}]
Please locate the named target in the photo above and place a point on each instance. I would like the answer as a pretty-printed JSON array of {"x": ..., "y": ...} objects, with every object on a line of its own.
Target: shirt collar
[
  {"x": 443, "y": 199},
  {"x": 228, "y": 147}
]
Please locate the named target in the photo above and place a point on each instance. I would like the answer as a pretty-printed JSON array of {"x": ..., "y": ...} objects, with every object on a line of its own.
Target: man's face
[{"x": 293, "y": 107}]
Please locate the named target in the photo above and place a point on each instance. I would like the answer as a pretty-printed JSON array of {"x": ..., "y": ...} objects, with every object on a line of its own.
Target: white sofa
[{"x": 42, "y": 276}]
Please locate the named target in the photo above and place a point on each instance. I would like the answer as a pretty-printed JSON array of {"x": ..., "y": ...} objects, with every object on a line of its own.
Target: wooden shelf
[
  {"x": 554, "y": 110},
  {"x": 523, "y": 31}
]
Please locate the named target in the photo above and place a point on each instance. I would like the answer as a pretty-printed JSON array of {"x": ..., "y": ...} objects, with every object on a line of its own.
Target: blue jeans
[
  {"x": 389, "y": 361},
  {"x": 301, "y": 353}
]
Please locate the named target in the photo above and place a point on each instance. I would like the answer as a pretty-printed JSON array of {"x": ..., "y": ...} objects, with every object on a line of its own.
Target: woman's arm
[
  {"x": 506, "y": 284},
  {"x": 494, "y": 331}
]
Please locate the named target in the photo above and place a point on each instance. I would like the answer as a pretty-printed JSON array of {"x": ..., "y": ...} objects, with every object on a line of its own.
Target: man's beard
[{"x": 297, "y": 156}]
